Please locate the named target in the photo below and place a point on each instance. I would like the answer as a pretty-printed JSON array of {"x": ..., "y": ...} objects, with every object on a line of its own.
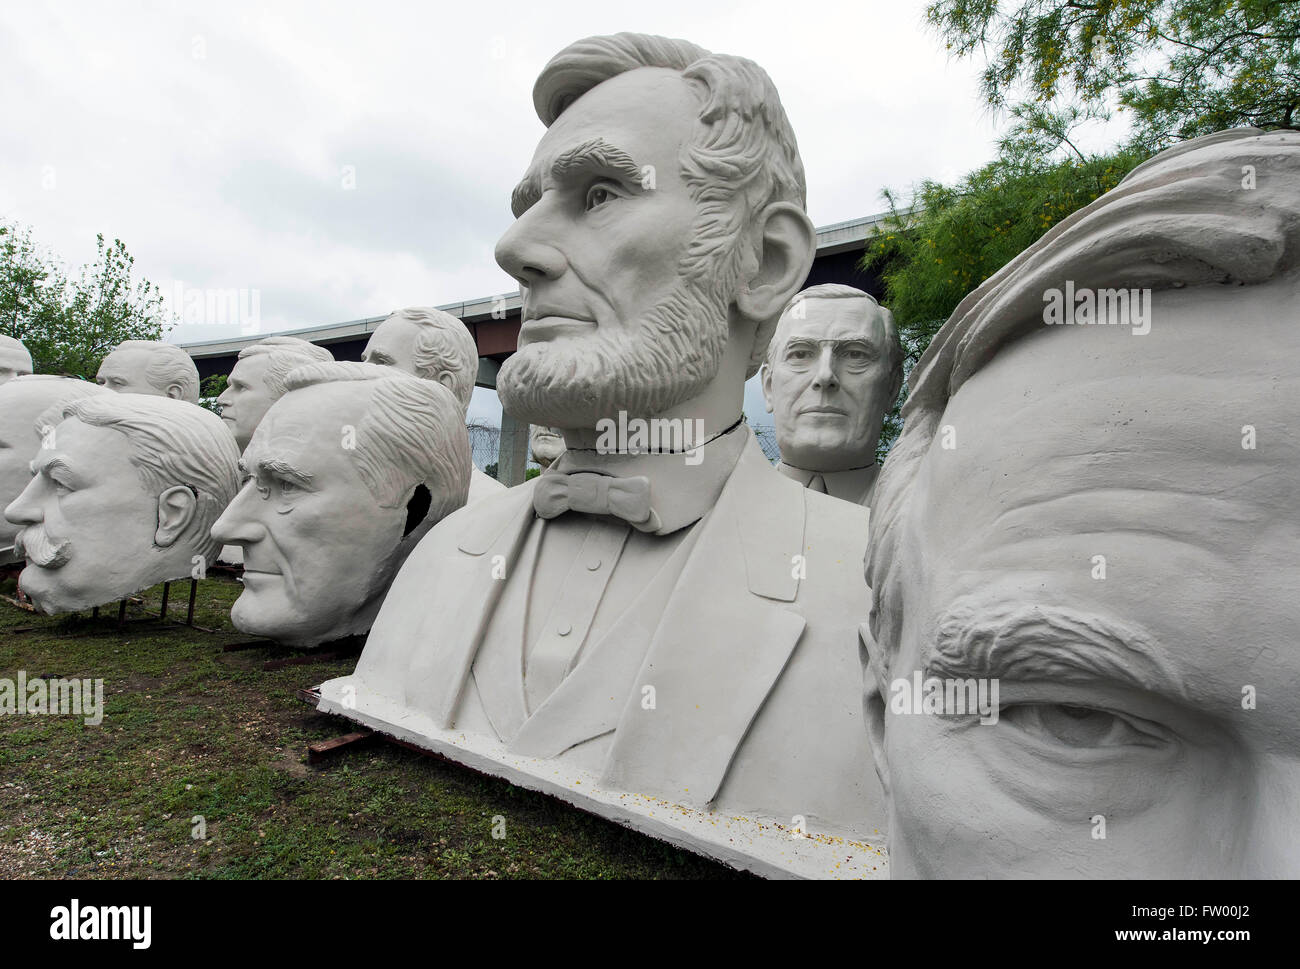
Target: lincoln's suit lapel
[
  {"x": 463, "y": 600},
  {"x": 723, "y": 642}
]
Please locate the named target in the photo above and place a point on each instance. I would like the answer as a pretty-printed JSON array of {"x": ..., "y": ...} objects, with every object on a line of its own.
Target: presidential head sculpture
[
  {"x": 546, "y": 444},
  {"x": 22, "y": 401},
  {"x": 150, "y": 367},
  {"x": 1092, "y": 508},
  {"x": 660, "y": 229},
  {"x": 832, "y": 372},
  {"x": 15, "y": 361},
  {"x": 125, "y": 492},
  {"x": 259, "y": 379},
  {"x": 344, "y": 474},
  {"x": 429, "y": 344}
]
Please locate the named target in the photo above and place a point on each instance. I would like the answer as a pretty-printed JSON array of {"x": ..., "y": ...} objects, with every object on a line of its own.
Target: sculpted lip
[
  {"x": 540, "y": 328},
  {"x": 825, "y": 409}
]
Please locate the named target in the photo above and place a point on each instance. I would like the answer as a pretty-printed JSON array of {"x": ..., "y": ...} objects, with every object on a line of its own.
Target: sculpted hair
[
  {"x": 9, "y": 343},
  {"x": 893, "y": 346},
  {"x": 42, "y": 393},
  {"x": 286, "y": 354},
  {"x": 171, "y": 442},
  {"x": 413, "y": 433},
  {"x": 444, "y": 345},
  {"x": 744, "y": 157},
  {"x": 168, "y": 364},
  {"x": 1180, "y": 219}
]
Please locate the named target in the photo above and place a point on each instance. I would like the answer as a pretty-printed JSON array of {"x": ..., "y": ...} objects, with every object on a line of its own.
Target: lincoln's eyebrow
[
  {"x": 1062, "y": 645},
  {"x": 595, "y": 155}
]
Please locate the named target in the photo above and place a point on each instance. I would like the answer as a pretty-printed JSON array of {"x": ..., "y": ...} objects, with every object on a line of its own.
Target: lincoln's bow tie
[{"x": 596, "y": 494}]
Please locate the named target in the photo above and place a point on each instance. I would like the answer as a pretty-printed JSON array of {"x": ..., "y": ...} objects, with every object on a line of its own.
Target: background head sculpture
[
  {"x": 429, "y": 344},
  {"x": 1101, "y": 520},
  {"x": 125, "y": 492},
  {"x": 659, "y": 231},
  {"x": 546, "y": 444},
  {"x": 833, "y": 370},
  {"x": 343, "y": 475},
  {"x": 150, "y": 367},
  {"x": 259, "y": 378},
  {"x": 22, "y": 401},
  {"x": 15, "y": 361}
]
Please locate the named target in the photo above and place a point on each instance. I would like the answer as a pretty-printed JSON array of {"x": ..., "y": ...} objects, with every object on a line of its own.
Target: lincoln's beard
[
  {"x": 642, "y": 369},
  {"x": 34, "y": 544}
]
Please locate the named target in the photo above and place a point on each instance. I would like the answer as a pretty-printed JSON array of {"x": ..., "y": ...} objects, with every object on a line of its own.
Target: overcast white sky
[{"x": 212, "y": 138}]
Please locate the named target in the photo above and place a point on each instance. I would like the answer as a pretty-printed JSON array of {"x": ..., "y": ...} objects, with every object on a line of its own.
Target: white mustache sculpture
[{"x": 33, "y": 543}]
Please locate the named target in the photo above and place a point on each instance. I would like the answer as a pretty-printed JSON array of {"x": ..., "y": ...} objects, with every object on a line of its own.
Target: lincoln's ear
[
  {"x": 787, "y": 243},
  {"x": 446, "y": 379},
  {"x": 175, "y": 391},
  {"x": 176, "y": 509},
  {"x": 765, "y": 381}
]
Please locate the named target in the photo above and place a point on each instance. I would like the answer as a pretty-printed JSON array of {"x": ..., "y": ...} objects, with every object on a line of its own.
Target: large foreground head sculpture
[
  {"x": 150, "y": 367},
  {"x": 15, "y": 361},
  {"x": 343, "y": 475},
  {"x": 22, "y": 401},
  {"x": 259, "y": 379},
  {"x": 125, "y": 492},
  {"x": 1100, "y": 518},
  {"x": 833, "y": 370},
  {"x": 659, "y": 231}
]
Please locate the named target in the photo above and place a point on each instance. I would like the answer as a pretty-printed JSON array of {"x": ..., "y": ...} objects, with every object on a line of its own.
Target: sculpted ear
[
  {"x": 176, "y": 509},
  {"x": 766, "y": 382},
  {"x": 175, "y": 391},
  {"x": 447, "y": 380},
  {"x": 873, "y": 708},
  {"x": 786, "y": 243}
]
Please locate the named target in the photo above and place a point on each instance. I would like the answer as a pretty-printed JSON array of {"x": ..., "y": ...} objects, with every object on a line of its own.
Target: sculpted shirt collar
[
  {"x": 855, "y": 485},
  {"x": 683, "y": 487}
]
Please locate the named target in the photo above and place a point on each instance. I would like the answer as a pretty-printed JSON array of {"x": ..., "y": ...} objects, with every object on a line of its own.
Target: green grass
[{"x": 191, "y": 731}]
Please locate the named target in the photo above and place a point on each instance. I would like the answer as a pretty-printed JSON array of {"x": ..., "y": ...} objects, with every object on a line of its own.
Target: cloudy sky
[{"x": 345, "y": 159}]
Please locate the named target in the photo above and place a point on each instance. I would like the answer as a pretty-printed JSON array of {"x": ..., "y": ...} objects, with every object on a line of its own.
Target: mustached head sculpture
[
  {"x": 15, "y": 361},
  {"x": 344, "y": 474},
  {"x": 125, "y": 490},
  {"x": 22, "y": 401}
]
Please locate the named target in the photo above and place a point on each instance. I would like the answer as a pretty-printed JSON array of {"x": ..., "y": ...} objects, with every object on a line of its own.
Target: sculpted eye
[
  {"x": 1080, "y": 728},
  {"x": 286, "y": 488},
  {"x": 598, "y": 195}
]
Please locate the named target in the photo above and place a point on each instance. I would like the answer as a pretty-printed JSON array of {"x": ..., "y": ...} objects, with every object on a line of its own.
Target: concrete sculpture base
[{"x": 768, "y": 847}]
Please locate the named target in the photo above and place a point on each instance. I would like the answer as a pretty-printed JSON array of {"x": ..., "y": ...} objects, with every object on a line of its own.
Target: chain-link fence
[
  {"x": 766, "y": 435},
  {"x": 484, "y": 446}
]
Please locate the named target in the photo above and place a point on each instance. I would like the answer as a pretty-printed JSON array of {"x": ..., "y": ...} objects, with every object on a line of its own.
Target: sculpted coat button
[{"x": 564, "y": 629}]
